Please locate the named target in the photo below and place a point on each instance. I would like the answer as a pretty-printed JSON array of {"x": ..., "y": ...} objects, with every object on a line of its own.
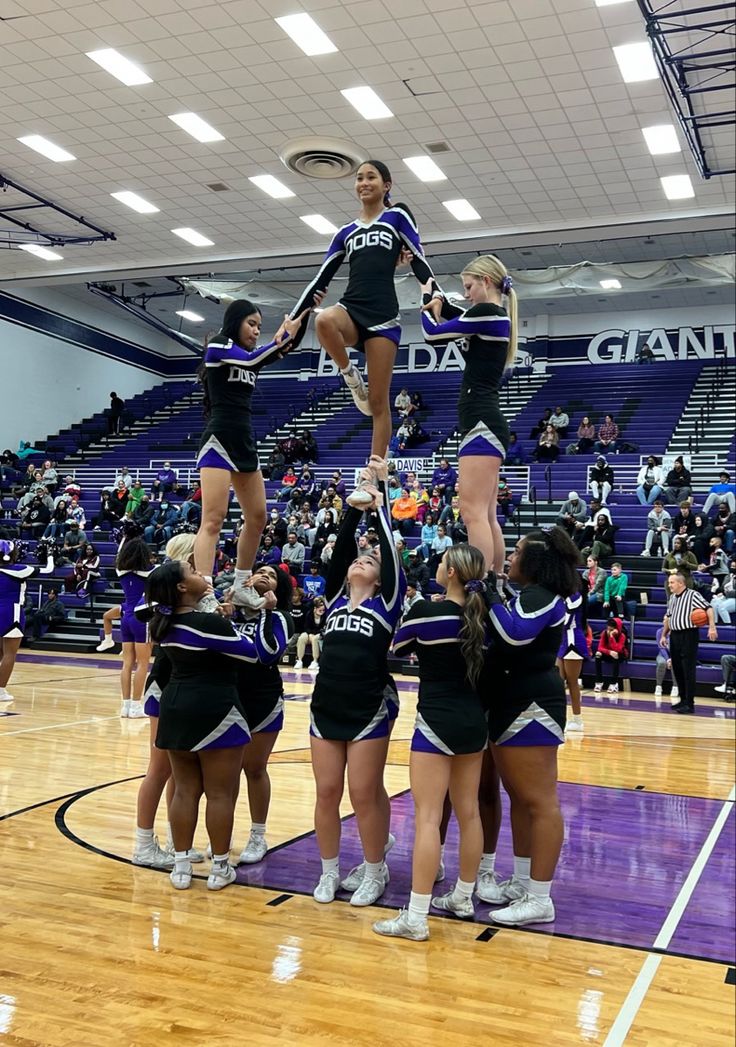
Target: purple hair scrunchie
[
  {"x": 163, "y": 608},
  {"x": 506, "y": 284},
  {"x": 475, "y": 585}
]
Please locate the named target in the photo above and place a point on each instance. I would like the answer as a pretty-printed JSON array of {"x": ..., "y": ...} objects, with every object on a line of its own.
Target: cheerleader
[
  {"x": 526, "y": 699},
  {"x": 487, "y": 334},
  {"x": 227, "y": 451},
  {"x": 202, "y": 722},
  {"x": 13, "y": 578},
  {"x": 349, "y": 713},
  {"x": 367, "y": 316},
  {"x": 450, "y": 734},
  {"x": 133, "y": 566},
  {"x": 574, "y": 650},
  {"x": 261, "y": 693}
]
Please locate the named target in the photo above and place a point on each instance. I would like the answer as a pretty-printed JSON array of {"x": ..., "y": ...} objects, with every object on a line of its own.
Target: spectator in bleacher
[
  {"x": 413, "y": 595},
  {"x": 135, "y": 493},
  {"x": 86, "y": 570},
  {"x": 515, "y": 454},
  {"x": 659, "y": 528},
  {"x": 572, "y": 512},
  {"x": 50, "y": 477},
  {"x": 39, "y": 621},
  {"x": 402, "y": 403},
  {"x": 601, "y": 479},
  {"x": 440, "y": 544},
  {"x": 724, "y": 525},
  {"x": 312, "y": 628},
  {"x": 111, "y": 512},
  {"x": 602, "y": 537},
  {"x": 309, "y": 450},
  {"x": 417, "y": 572},
  {"x": 614, "y": 591},
  {"x": 25, "y": 449},
  {"x": 662, "y": 665},
  {"x": 304, "y": 489},
  {"x": 10, "y": 473},
  {"x": 337, "y": 483},
  {"x": 649, "y": 481},
  {"x": 429, "y": 533},
  {"x": 716, "y": 565},
  {"x": 541, "y": 425},
  {"x": 505, "y": 500},
  {"x": 57, "y": 525},
  {"x": 451, "y": 513},
  {"x": 612, "y": 647},
  {"x": 724, "y": 602},
  {"x": 115, "y": 413},
  {"x": 421, "y": 496},
  {"x": 548, "y": 447},
  {"x": 646, "y": 356},
  {"x": 276, "y": 464},
  {"x": 394, "y": 488},
  {"x": 607, "y": 435},
  {"x": 722, "y": 492},
  {"x": 417, "y": 403},
  {"x": 436, "y": 502},
  {"x": 288, "y": 483},
  {"x": 404, "y": 512},
  {"x": 74, "y": 542},
  {"x": 699, "y": 539},
  {"x": 560, "y": 421},
  {"x": 161, "y": 529},
  {"x": 277, "y": 527},
  {"x": 269, "y": 552},
  {"x": 325, "y": 555},
  {"x": 71, "y": 488},
  {"x": 678, "y": 482},
  {"x": 445, "y": 477},
  {"x": 293, "y": 554},
  {"x": 728, "y": 668},
  {"x": 684, "y": 522},
  {"x": 681, "y": 559},
  {"x": 143, "y": 515},
  {"x": 314, "y": 582},
  {"x": 191, "y": 508},
  {"x": 36, "y": 517},
  {"x": 596, "y": 579},
  {"x": 163, "y": 482}
]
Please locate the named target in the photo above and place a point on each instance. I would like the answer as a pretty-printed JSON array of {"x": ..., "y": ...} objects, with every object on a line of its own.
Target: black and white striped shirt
[{"x": 681, "y": 605}]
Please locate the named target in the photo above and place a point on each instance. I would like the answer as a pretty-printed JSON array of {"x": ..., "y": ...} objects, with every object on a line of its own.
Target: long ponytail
[
  {"x": 492, "y": 267},
  {"x": 469, "y": 566}
]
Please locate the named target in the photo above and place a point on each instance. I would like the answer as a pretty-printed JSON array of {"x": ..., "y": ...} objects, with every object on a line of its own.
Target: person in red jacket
[{"x": 613, "y": 648}]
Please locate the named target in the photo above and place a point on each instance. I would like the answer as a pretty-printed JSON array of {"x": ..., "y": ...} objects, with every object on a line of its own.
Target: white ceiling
[{"x": 544, "y": 133}]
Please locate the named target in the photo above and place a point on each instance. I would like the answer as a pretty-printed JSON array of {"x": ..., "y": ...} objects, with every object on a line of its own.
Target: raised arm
[
  {"x": 393, "y": 581},
  {"x": 217, "y": 354},
  {"x": 343, "y": 554},
  {"x": 478, "y": 321}
]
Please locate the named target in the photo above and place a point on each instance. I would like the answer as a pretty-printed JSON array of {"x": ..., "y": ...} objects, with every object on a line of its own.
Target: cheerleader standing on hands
[
  {"x": 349, "y": 713},
  {"x": 13, "y": 578},
  {"x": 449, "y": 636},
  {"x": 487, "y": 334}
]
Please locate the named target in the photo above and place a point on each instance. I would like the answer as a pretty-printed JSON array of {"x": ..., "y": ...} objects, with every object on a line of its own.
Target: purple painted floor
[{"x": 625, "y": 857}]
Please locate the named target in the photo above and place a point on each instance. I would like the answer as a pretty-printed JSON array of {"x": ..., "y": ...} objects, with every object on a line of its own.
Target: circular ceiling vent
[{"x": 318, "y": 157}]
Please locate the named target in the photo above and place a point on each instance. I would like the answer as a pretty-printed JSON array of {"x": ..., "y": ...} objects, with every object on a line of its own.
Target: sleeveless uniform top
[{"x": 133, "y": 584}]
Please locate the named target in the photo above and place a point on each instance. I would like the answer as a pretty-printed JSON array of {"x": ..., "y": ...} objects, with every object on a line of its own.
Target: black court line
[
  {"x": 730, "y": 978},
  {"x": 487, "y": 934},
  {"x": 59, "y": 679},
  {"x": 64, "y": 796},
  {"x": 280, "y": 900}
]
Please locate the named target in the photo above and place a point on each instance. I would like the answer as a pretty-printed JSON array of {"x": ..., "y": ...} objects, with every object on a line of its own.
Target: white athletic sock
[
  {"x": 220, "y": 859},
  {"x": 487, "y": 863},
  {"x": 540, "y": 888},
  {"x": 143, "y": 838},
  {"x": 258, "y": 829},
  {"x": 181, "y": 861},
  {"x": 331, "y": 865},
  {"x": 577, "y": 717},
  {"x": 522, "y": 869},
  {"x": 419, "y": 907},
  {"x": 373, "y": 869},
  {"x": 346, "y": 370},
  {"x": 464, "y": 889},
  {"x": 241, "y": 576}
]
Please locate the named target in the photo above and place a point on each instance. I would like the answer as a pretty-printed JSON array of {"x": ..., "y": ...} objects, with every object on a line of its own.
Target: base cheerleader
[{"x": 13, "y": 578}]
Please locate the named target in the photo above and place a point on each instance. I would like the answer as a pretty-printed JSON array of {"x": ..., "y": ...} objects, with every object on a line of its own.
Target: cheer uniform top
[
  {"x": 349, "y": 698},
  {"x": 574, "y": 641},
  {"x": 133, "y": 584},
  {"x": 450, "y": 717},
  {"x": 260, "y": 688},
  {"x": 521, "y": 686},
  {"x": 482, "y": 333},
  {"x": 230, "y": 377},
  {"x": 200, "y": 705},
  {"x": 13, "y": 578},
  {"x": 372, "y": 250}
]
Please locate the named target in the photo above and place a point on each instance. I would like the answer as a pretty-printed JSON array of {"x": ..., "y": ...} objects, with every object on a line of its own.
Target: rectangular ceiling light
[
  {"x": 272, "y": 186},
  {"x": 197, "y": 127},
  {"x": 187, "y": 314},
  {"x": 425, "y": 168},
  {"x": 193, "y": 237},
  {"x": 462, "y": 210},
  {"x": 306, "y": 34},
  {"x": 46, "y": 148},
  {"x": 319, "y": 223},
  {"x": 41, "y": 252},
  {"x": 367, "y": 102},
  {"x": 661, "y": 138},
  {"x": 677, "y": 187},
  {"x": 610, "y": 3},
  {"x": 636, "y": 62},
  {"x": 136, "y": 202},
  {"x": 611, "y": 285},
  {"x": 120, "y": 67}
]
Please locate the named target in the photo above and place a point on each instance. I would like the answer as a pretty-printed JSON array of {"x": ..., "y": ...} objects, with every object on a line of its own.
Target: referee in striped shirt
[{"x": 683, "y": 637}]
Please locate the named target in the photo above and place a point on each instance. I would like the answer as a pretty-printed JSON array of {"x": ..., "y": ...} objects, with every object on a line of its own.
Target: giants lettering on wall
[{"x": 684, "y": 343}]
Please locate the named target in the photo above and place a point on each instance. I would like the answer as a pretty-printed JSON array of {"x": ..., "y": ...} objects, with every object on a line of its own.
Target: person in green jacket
[
  {"x": 135, "y": 494},
  {"x": 614, "y": 592}
]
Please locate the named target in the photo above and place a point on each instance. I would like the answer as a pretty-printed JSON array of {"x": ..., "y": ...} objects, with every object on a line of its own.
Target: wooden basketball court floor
[{"x": 95, "y": 951}]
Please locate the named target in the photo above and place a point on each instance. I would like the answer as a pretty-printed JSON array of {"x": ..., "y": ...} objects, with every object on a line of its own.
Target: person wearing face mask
[
  {"x": 227, "y": 450},
  {"x": 160, "y": 530},
  {"x": 649, "y": 481}
]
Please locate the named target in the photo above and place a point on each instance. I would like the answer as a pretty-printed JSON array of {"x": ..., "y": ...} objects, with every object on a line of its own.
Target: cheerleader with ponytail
[{"x": 449, "y": 637}]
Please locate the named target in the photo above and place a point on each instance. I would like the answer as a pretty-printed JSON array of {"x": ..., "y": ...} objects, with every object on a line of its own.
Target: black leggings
[{"x": 615, "y": 667}]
